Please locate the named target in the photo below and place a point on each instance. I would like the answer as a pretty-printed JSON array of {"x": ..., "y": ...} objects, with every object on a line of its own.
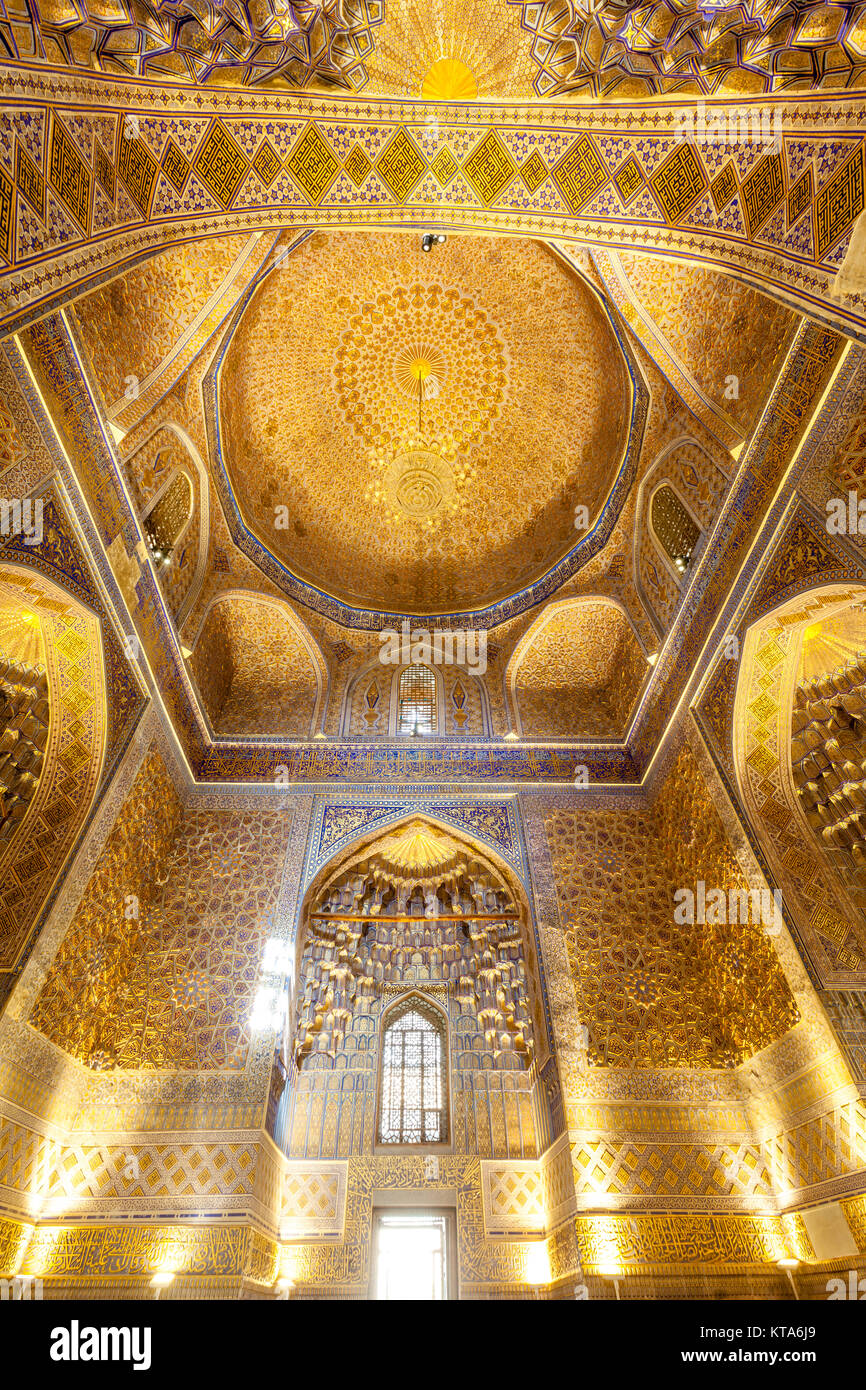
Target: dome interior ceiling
[{"x": 413, "y": 432}]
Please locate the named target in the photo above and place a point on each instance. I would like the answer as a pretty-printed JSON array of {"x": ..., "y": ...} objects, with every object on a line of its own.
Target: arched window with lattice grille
[
  {"x": 167, "y": 519},
  {"x": 413, "y": 1107},
  {"x": 417, "y": 701},
  {"x": 674, "y": 528}
]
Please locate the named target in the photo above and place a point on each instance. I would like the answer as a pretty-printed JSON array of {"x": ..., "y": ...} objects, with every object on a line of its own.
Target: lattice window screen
[
  {"x": 677, "y": 533},
  {"x": 416, "y": 712},
  {"x": 413, "y": 1109},
  {"x": 164, "y": 523}
]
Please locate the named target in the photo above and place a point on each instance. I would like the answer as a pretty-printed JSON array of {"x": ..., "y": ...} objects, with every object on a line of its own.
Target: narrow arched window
[
  {"x": 413, "y": 1106},
  {"x": 167, "y": 518},
  {"x": 416, "y": 701},
  {"x": 676, "y": 530}
]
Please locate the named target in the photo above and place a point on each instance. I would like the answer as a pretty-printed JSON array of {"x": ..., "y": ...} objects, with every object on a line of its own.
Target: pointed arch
[
  {"x": 676, "y": 532},
  {"x": 417, "y": 699},
  {"x": 169, "y": 510},
  {"x": 461, "y": 845}
]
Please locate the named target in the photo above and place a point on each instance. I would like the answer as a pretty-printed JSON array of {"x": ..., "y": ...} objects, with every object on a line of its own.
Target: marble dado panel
[
  {"x": 314, "y": 1198},
  {"x": 521, "y": 1198}
]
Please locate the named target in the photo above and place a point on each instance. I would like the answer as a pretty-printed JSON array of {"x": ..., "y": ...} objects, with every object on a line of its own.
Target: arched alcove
[
  {"x": 53, "y": 728},
  {"x": 794, "y": 741},
  {"x": 417, "y": 910},
  {"x": 257, "y": 669},
  {"x": 577, "y": 672}
]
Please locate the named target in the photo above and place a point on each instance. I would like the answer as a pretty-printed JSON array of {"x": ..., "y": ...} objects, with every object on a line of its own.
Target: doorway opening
[{"x": 413, "y": 1255}]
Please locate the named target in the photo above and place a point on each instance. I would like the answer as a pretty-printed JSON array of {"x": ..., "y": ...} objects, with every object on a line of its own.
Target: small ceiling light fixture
[
  {"x": 511, "y": 734},
  {"x": 431, "y": 239}
]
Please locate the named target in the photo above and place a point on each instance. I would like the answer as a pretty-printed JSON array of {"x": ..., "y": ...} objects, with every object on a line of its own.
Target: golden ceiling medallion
[
  {"x": 418, "y": 365},
  {"x": 421, "y": 340},
  {"x": 419, "y": 483}
]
